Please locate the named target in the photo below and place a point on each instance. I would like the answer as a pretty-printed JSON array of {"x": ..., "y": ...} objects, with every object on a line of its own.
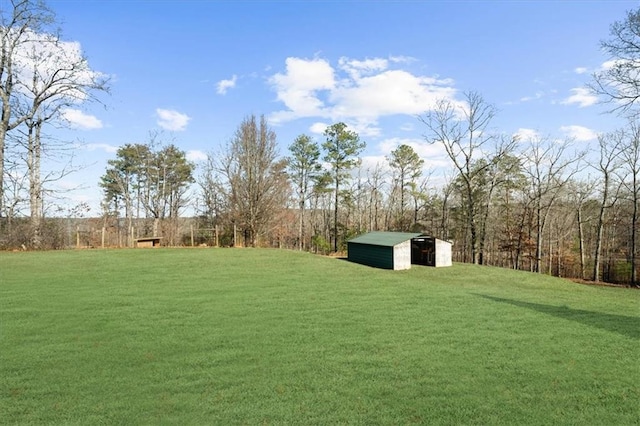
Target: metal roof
[{"x": 388, "y": 239}]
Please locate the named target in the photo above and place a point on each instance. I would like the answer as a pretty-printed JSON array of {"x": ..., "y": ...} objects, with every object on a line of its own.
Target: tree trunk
[
  {"x": 581, "y": 242},
  {"x": 335, "y": 215},
  {"x": 538, "y": 260},
  {"x": 634, "y": 226},
  {"x": 301, "y": 226},
  {"x": 598, "y": 243},
  {"x": 35, "y": 184}
]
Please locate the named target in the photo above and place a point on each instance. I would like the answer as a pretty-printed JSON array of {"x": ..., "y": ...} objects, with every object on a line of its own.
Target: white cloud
[
  {"x": 101, "y": 147},
  {"x": 356, "y": 68},
  {"x": 579, "y": 133},
  {"x": 318, "y": 128},
  {"x": 79, "y": 120},
  {"x": 538, "y": 95},
  {"x": 402, "y": 59},
  {"x": 388, "y": 93},
  {"x": 581, "y": 70},
  {"x": 195, "y": 155},
  {"x": 581, "y": 96},
  {"x": 298, "y": 88},
  {"x": 524, "y": 134},
  {"x": 224, "y": 85},
  {"x": 172, "y": 120},
  {"x": 358, "y": 92}
]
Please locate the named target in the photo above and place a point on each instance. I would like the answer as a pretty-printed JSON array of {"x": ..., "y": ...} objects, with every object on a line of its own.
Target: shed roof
[{"x": 388, "y": 239}]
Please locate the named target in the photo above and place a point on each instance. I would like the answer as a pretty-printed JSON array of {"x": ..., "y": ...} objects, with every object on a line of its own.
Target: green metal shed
[{"x": 387, "y": 250}]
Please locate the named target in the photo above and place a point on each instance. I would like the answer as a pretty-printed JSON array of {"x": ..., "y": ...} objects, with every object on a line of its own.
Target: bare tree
[
  {"x": 619, "y": 81},
  {"x": 211, "y": 191},
  {"x": 375, "y": 184},
  {"x": 549, "y": 167},
  {"x": 607, "y": 166},
  {"x": 581, "y": 193},
  {"x": 256, "y": 180},
  {"x": 464, "y": 133},
  {"x": 41, "y": 77},
  {"x": 18, "y": 23},
  {"x": 631, "y": 182}
]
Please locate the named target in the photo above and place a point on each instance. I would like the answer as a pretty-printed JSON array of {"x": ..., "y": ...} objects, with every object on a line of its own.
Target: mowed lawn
[{"x": 248, "y": 336}]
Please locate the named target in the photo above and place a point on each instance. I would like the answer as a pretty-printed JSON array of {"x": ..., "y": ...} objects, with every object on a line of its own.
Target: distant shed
[
  {"x": 148, "y": 242},
  {"x": 387, "y": 250}
]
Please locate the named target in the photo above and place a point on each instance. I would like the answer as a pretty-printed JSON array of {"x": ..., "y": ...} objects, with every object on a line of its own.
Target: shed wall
[
  {"x": 443, "y": 253},
  {"x": 371, "y": 255},
  {"x": 402, "y": 256}
]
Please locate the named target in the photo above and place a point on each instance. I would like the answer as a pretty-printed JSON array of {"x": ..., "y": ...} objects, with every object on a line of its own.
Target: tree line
[
  {"x": 537, "y": 203},
  {"x": 534, "y": 204}
]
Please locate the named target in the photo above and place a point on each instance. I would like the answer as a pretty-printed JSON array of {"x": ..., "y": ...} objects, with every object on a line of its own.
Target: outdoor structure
[
  {"x": 430, "y": 251},
  {"x": 148, "y": 242},
  {"x": 387, "y": 250},
  {"x": 398, "y": 250}
]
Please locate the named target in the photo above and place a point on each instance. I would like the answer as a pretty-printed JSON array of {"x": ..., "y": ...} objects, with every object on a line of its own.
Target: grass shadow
[{"x": 625, "y": 325}]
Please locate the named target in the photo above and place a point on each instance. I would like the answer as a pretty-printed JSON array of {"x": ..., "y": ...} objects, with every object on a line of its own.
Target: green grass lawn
[{"x": 242, "y": 336}]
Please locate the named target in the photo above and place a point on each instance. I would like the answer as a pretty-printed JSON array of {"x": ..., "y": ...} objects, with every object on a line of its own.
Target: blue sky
[{"x": 196, "y": 68}]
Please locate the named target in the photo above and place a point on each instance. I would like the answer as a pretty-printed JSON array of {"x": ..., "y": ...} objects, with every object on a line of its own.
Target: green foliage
[
  {"x": 155, "y": 179},
  {"x": 407, "y": 163},
  {"x": 342, "y": 147},
  {"x": 321, "y": 244},
  {"x": 251, "y": 336},
  {"x": 303, "y": 164},
  {"x": 407, "y": 167}
]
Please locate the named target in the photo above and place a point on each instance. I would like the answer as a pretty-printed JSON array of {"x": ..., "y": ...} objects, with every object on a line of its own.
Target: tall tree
[
  {"x": 211, "y": 190},
  {"x": 407, "y": 166},
  {"x": 342, "y": 148},
  {"x": 256, "y": 178},
  {"x": 54, "y": 77},
  {"x": 606, "y": 167},
  {"x": 49, "y": 77},
  {"x": 303, "y": 166},
  {"x": 375, "y": 187},
  {"x": 122, "y": 183},
  {"x": 631, "y": 182},
  {"x": 619, "y": 83},
  {"x": 463, "y": 131},
  {"x": 503, "y": 173},
  {"x": 581, "y": 194},
  {"x": 166, "y": 175},
  {"x": 17, "y": 22}
]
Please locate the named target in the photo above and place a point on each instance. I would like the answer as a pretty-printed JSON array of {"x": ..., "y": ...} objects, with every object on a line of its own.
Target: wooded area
[{"x": 535, "y": 204}]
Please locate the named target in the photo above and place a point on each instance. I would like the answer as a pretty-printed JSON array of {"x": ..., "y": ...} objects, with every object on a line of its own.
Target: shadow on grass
[{"x": 627, "y": 326}]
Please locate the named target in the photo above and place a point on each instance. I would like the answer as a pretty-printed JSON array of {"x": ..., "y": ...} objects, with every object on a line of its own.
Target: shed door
[{"x": 423, "y": 251}]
